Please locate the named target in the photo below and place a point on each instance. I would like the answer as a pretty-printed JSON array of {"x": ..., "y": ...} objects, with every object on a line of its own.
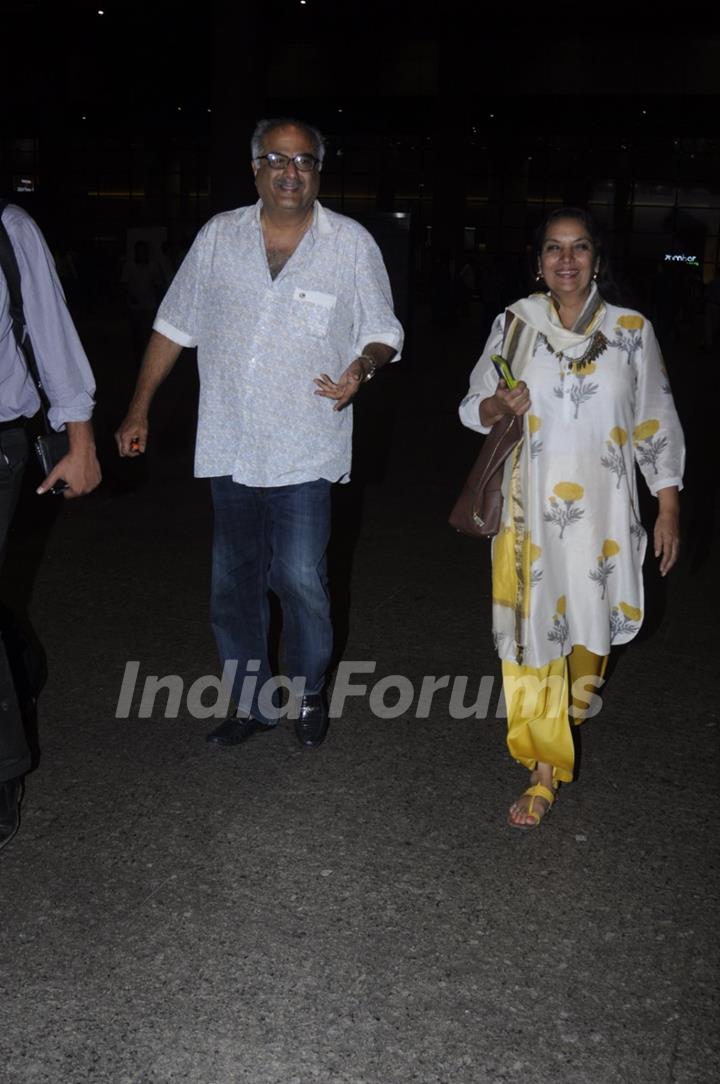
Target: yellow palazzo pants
[{"x": 540, "y": 703}]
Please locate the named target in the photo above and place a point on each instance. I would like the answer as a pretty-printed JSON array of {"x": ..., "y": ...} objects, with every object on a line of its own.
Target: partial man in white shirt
[{"x": 290, "y": 308}]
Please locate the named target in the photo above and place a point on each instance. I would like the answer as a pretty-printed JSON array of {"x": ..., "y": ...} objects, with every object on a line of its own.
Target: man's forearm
[
  {"x": 160, "y": 356},
  {"x": 80, "y": 436},
  {"x": 376, "y": 355}
]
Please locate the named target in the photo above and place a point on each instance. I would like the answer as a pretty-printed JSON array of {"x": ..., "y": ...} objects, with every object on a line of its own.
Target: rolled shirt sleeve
[
  {"x": 373, "y": 317},
  {"x": 62, "y": 363},
  {"x": 179, "y": 315}
]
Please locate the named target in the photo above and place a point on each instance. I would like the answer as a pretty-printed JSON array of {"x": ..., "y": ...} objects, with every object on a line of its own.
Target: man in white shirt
[{"x": 290, "y": 308}]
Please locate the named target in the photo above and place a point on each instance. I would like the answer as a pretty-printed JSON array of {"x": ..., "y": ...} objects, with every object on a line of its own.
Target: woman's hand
[
  {"x": 667, "y": 529},
  {"x": 505, "y": 401}
]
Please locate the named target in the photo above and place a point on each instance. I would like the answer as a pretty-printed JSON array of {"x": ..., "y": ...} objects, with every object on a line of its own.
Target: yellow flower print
[
  {"x": 624, "y": 621},
  {"x": 645, "y": 430},
  {"x": 605, "y": 566},
  {"x": 534, "y": 424},
  {"x": 632, "y": 323},
  {"x": 560, "y": 629},
  {"x": 649, "y": 447},
  {"x": 628, "y": 335},
  {"x": 581, "y": 388},
  {"x": 613, "y": 459},
  {"x": 568, "y": 491}
]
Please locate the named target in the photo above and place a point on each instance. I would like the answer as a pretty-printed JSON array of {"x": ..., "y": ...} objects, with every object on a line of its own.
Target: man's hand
[
  {"x": 79, "y": 468},
  {"x": 131, "y": 437},
  {"x": 160, "y": 356},
  {"x": 346, "y": 386}
]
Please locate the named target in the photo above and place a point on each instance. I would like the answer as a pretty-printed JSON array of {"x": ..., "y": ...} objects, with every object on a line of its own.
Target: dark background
[
  {"x": 471, "y": 119},
  {"x": 452, "y": 129}
]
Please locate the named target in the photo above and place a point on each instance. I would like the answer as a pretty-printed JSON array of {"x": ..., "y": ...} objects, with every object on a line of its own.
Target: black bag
[{"x": 50, "y": 446}]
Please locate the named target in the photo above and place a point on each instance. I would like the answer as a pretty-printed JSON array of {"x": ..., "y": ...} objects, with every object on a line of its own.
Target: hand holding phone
[{"x": 503, "y": 370}]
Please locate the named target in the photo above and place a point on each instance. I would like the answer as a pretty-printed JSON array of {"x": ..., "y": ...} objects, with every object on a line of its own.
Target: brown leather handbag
[{"x": 478, "y": 510}]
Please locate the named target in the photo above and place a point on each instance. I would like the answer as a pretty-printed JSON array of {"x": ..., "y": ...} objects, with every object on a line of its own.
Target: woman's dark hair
[{"x": 605, "y": 282}]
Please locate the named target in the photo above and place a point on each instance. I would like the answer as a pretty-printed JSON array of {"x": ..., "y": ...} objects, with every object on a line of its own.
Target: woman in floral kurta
[{"x": 567, "y": 562}]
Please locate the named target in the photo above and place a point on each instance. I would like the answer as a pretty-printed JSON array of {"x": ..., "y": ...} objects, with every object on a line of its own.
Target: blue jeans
[{"x": 271, "y": 539}]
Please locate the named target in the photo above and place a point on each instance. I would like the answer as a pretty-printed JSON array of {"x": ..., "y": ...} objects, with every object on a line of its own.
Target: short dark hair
[
  {"x": 269, "y": 125},
  {"x": 605, "y": 281}
]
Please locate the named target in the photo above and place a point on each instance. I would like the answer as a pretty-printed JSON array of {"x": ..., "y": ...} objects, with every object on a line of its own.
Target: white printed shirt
[{"x": 261, "y": 342}]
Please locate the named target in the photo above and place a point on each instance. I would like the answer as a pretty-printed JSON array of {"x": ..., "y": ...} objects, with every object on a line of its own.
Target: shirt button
[{"x": 301, "y": 294}]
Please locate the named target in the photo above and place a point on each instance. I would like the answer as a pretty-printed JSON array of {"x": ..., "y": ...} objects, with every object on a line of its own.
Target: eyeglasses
[{"x": 304, "y": 163}]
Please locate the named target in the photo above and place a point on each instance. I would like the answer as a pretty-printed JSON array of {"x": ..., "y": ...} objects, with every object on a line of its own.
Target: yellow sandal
[{"x": 536, "y": 791}]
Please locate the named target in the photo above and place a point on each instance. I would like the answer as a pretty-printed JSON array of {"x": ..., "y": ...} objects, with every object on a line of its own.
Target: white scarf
[{"x": 537, "y": 315}]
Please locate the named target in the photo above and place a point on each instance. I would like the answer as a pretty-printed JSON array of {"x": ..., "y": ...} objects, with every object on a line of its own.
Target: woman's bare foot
[{"x": 530, "y": 808}]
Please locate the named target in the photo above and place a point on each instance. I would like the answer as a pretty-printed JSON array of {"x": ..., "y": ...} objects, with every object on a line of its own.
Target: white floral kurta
[{"x": 567, "y": 560}]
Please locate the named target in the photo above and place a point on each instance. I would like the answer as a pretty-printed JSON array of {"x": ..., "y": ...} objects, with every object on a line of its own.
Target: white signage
[{"x": 676, "y": 257}]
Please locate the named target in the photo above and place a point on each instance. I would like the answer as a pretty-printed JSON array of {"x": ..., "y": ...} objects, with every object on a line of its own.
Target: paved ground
[{"x": 360, "y": 914}]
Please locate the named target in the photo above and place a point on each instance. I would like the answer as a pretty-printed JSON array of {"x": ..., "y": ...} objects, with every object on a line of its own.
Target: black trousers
[{"x": 14, "y": 752}]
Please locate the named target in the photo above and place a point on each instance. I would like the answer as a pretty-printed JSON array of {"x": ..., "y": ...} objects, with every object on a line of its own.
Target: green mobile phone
[{"x": 503, "y": 370}]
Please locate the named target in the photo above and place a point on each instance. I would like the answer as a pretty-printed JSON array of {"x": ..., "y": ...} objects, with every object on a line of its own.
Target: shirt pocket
[{"x": 312, "y": 311}]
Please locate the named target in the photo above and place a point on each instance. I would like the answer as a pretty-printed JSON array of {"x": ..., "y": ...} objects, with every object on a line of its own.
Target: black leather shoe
[
  {"x": 312, "y": 724},
  {"x": 10, "y": 792},
  {"x": 234, "y": 731}
]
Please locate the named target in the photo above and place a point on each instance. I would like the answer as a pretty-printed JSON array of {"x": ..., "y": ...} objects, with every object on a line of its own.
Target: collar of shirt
[{"x": 321, "y": 225}]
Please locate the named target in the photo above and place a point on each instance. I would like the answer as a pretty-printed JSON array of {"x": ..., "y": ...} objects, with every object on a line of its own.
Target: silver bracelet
[{"x": 373, "y": 366}]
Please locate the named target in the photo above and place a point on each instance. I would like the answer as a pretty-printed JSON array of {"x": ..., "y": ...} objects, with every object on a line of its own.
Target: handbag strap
[
  {"x": 511, "y": 335},
  {"x": 11, "y": 271}
]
